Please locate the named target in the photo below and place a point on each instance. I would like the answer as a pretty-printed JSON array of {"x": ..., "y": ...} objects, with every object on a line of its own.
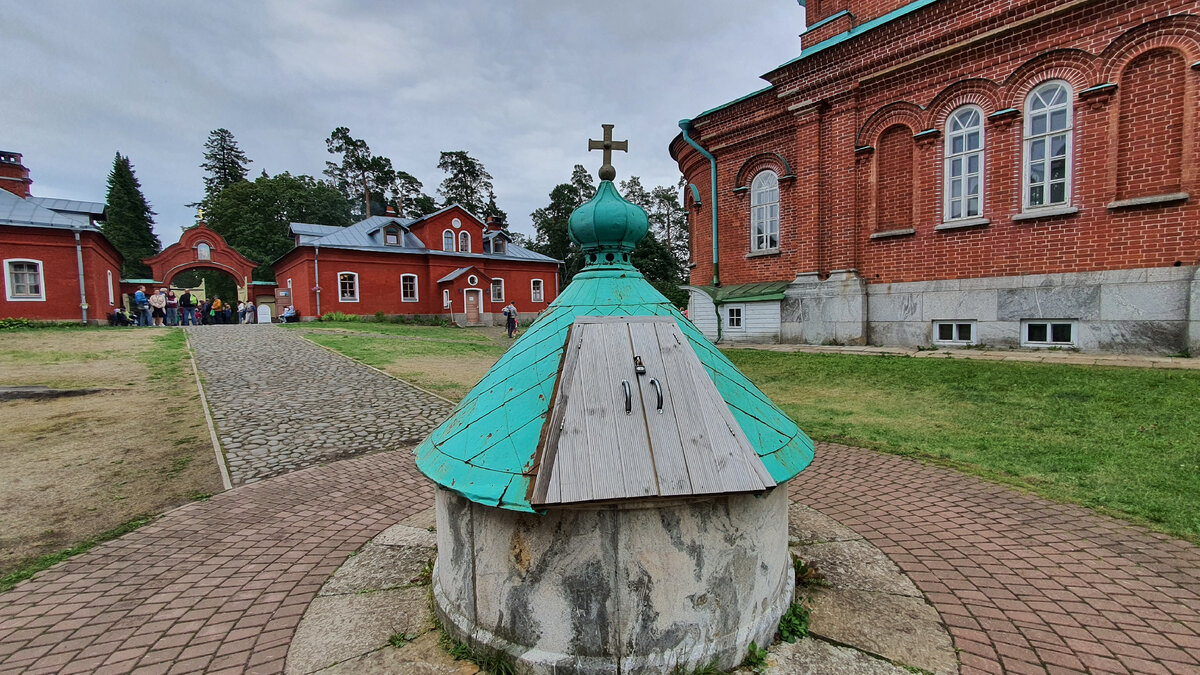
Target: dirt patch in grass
[
  {"x": 451, "y": 377},
  {"x": 73, "y": 468}
]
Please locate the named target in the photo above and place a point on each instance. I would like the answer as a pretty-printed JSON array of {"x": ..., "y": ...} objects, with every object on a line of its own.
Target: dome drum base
[{"x": 628, "y": 588}]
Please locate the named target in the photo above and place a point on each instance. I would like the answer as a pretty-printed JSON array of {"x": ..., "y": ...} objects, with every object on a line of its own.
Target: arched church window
[
  {"x": 464, "y": 242},
  {"x": 203, "y": 251},
  {"x": 964, "y": 164},
  {"x": 447, "y": 240},
  {"x": 764, "y": 212},
  {"x": 1048, "y": 132}
]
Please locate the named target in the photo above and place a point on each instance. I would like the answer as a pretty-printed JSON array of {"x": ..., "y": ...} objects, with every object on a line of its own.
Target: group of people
[{"x": 163, "y": 308}]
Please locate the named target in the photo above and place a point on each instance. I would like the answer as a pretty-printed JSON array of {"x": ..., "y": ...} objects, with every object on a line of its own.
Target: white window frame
[
  {"x": 450, "y": 234},
  {"x": 499, "y": 246},
  {"x": 963, "y": 156},
  {"x": 341, "y": 296},
  {"x": 493, "y": 289},
  {"x": 9, "y": 285},
  {"x": 1049, "y": 342},
  {"x": 388, "y": 231},
  {"x": 1046, "y": 137},
  {"x": 741, "y": 317},
  {"x": 446, "y": 298},
  {"x": 537, "y": 290},
  {"x": 764, "y": 211},
  {"x": 472, "y": 279},
  {"x": 464, "y": 242},
  {"x": 111, "y": 294},
  {"x": 207, "y": 247},
  {"x": 971, "y": 339},
  {"x": 416, "y": 294}
]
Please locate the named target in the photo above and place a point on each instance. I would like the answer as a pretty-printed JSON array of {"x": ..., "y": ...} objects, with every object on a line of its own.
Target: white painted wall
[
  {"x": 702, "y": 313},
  {"x": 760, "y": 322}
]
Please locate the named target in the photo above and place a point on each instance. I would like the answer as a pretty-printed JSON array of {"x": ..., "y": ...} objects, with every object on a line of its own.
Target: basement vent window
[
  {"x": 1048, "y": 334},
  {"x": 954, "y": 332}
]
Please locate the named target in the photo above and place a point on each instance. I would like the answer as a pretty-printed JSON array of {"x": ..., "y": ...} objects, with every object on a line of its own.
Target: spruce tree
[
  {"x": 130, "y": 223},
  {"x": 224, "y": 161},
  {"x": 467, "y": 183}
]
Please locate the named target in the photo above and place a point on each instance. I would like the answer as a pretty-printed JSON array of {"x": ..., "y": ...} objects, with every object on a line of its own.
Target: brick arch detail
[
  {"x": 1074, "y": 66},
  {"x": 761, "y": 162},
  {"x": 980, "y": 92},
  {"x": 908, "y": 114},
  {"x": 181, "y": 256},
  {"x": 1178, "y": 33},
  {"x": 894, "y": 180},
  {"x": 1172, "y": 169}
]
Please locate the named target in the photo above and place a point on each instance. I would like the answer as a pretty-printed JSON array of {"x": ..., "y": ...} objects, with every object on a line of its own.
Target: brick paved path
[
  {"x": 323, "y": 406},
  {"x": 1024, "y": 585}
]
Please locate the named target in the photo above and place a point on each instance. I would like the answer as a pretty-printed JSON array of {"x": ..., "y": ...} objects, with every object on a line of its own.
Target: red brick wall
[
  {"x": 914, "y": 72},
  {"x": 894, "y": 179},
  {"x": 55, "y": 249}
]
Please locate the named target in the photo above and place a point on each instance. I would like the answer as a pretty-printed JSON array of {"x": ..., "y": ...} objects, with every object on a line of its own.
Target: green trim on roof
[
  {"x": 485, "y": 450},
  {"x": 764, "y": 291},
  {"x": 858, "y": 30},
  {"x": 736, "y": 100},
  {"x": 831, "y": 17},
  {"x": 139, "y": 281}
]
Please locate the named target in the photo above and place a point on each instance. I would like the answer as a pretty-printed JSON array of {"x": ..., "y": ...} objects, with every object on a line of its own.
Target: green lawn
[
  {"x": 394, "y": 329},
  {"x": 1123, "y": 440}
]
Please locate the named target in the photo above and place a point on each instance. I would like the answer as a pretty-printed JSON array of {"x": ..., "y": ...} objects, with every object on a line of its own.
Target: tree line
[{"x": 253, "y": 215}]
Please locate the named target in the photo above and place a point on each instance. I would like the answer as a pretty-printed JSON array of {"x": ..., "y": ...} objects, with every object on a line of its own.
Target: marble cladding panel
[
  {"x": 1049, "y": 302},
  {"x": 453, "y": 570}
]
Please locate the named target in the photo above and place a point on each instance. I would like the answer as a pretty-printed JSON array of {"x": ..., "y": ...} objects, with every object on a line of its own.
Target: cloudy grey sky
[{"x": 521, "y": 85}]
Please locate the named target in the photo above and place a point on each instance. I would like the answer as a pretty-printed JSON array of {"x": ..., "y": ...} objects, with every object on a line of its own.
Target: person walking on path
[
  {"x": 172, "y": 309},
  {"x": 217, "y": 310},
  {"x": 158, "y": 306},
  {"x": 510, "y": 316},
  {"x": 141, "y": 304},
  {"x": 241, "y": 312},
  {"x": 251, "y": 310},
  {"x": 187, "y": 307}
]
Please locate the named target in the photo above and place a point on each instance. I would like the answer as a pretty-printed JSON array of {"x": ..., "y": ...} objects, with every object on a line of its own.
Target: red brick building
[
  {"x": 1018, "y": 173},
  {"x": 57, "y": 265},
  {"x": 448, "y": 264}
]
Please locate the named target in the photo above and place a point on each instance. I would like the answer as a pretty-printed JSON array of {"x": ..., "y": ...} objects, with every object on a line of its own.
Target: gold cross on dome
[{"x": 607, "y": 172}]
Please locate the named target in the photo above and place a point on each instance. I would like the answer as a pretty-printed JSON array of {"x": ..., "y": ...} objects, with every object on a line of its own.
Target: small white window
[
  {"x": 954, "y": 332},
  {"x": 391, "y": 236},
  {"x": 446, "y": 298},
  {"x": 447, "y": 240},
  {"x": 464, "y": 242},
  {"x": 408, "y": 288},
  {"x": 536, "y": 292},
  {"x": 23, "y": 280},
  {"x": 203, "y": 251},
  {"x": 472, "y": 280},
  {"x": 964, "y": 164},
  {"x": 347, "y": 287},
  {"x": 1048, "y": 146},
  {"x": 733, "y": 317},
  {"x": 1043, "y": 333},
  {"x": 498, "y": 246},
  {"x": 497, "y": 290},
  {"x": 764, "y": 212},
  {"x": 111, "y": 294}
]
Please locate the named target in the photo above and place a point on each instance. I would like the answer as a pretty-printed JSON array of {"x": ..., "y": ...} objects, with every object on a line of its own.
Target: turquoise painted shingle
[{"x": 486, "y": 450}]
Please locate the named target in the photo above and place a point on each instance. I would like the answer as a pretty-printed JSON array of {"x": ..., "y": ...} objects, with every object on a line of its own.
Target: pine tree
[
  {"x": 467, "y": 183},
  {"x": 552, "y": 237},
  {"x": 492, "y": 210},
  {"x": 366, "y": 180},
  {"x": 224, "y": 161},
  {"x": 130, "y": 223},
  {"x": 584, "y": 186}
]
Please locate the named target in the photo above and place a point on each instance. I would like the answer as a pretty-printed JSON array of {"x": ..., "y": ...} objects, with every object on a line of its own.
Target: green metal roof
[
  {"x": 767, "y": 290},
  {"x": 486, "y": 450}
]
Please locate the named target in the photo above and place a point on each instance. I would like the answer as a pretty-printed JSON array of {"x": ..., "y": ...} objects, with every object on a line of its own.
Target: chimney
[
  {"x": 14, "y": 177},
  {"x": 391, "y": 210},
  {"x": 494, "y": 224}
]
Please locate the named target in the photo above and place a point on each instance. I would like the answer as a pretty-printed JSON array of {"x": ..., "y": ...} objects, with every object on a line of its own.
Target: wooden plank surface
[
  {"x": 669, "y": 463},
  {"x": 633, "y": 442},
  {"x": 693, "y": 433}
]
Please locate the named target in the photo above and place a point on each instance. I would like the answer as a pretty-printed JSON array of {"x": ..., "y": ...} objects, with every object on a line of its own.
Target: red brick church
[{"x": 955, "y": 172}]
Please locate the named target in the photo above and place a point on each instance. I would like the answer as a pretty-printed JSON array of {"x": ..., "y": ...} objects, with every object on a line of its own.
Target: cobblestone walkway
[{"x": 323, "y": 406}]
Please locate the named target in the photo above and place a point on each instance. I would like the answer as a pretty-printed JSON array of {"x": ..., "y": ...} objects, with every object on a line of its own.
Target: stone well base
[{"x": 615, "y": 589}]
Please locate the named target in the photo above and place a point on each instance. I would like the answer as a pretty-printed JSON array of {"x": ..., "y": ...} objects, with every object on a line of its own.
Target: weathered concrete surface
[
  {"x": 378, "y": 567},
  {"x": 816, "y": 657},
  {"x": 648, "y": 588},
  {"x": 407, "y": 535},
  {"x": 340, "y": 627},
  {"x": 856, "y": 565},
  {"x": 422, "y": 656},
  {"x": 895, "y": 627},
  {"x": 809, "y": 526}
]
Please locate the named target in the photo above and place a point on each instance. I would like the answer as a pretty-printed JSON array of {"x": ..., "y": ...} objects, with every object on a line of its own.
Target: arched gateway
[{"x": 201, "y": 247}]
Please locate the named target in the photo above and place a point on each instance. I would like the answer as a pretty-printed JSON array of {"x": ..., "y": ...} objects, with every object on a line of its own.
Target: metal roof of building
[
  {"x": 28, "y": 213},
  {"x": 487, "y": 450},
  {"x": 761, "y": 291},
  {"x": 72, "y": 205},
  {"x": 458, "y": 273}
]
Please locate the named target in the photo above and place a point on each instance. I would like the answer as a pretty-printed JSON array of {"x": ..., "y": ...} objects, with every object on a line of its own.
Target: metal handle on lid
[
  {"x": 628, "y": 397},
  {"x": 658, "y": 388}
]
